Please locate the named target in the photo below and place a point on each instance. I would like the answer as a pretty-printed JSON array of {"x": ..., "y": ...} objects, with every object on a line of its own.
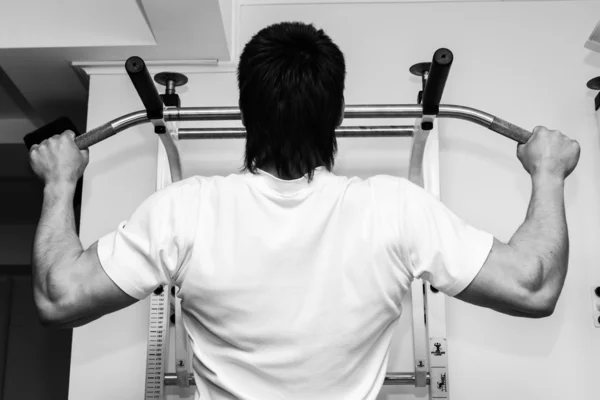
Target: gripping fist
[
  {"x": 549, "y": 153},
  {"x": 58, "y": 159}
]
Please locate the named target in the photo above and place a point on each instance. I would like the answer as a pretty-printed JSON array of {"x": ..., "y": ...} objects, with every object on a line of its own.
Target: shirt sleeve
[
  {"x": 442, "y": 248},
  {"x": 150, "y": 249}
]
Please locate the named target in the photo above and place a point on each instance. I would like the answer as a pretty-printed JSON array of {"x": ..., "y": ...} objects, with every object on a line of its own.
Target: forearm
[
  {"x": 56, "y": 245},
  {"x": 544, "y": 236}
]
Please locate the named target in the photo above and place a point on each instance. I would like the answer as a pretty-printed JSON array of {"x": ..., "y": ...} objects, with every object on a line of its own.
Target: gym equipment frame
[{"x": 428, "y": 307}]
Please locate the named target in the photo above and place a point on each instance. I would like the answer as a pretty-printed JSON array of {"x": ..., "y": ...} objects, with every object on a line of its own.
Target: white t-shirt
[{"x": 290, "y": 289}]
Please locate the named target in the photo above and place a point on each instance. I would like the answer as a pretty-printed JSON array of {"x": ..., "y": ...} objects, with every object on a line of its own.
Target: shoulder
[
  {"x": 389, "y": 184},
  {"x": 196, "y": 187},
  {"x": 185, "y": 187},
  {"x": 399, "y": 191}
]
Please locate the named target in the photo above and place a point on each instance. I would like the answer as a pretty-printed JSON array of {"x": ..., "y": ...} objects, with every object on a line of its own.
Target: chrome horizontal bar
[
  {"x": 343, "y": 131},
  {"x": 358, "y": 111},
  {"x": 351, "y": 111},
  {"x": 129, "y": 120},
  {"x": 391, "y": 378}
]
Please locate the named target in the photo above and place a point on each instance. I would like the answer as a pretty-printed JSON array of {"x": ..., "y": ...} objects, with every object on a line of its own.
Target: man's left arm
[{"x": 69, "y": 284}]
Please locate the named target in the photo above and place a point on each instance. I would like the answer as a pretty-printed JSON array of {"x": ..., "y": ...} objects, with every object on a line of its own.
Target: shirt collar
[{"x": 293, "y": 186}]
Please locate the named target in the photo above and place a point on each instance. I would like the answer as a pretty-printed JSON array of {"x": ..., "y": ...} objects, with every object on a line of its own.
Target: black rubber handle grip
[
  {"x": 436, "y": 81},
  {"x": 142, "y": 81},
  {"x": 509, "y": 130},
  {"x": 56, "y": 127},
  {"x": 94, "y": 136}
]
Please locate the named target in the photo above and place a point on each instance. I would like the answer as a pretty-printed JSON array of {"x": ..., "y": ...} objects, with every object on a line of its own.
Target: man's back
[{"x": 293, "y": 289}]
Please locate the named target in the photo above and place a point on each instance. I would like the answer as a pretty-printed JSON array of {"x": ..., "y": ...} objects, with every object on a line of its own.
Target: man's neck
[
  {"x": 269, "y": 168},
  {"x": 273, "y": 171}
]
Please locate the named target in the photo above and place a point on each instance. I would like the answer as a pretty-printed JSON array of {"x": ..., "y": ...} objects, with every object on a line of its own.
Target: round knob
[
  {"x": 597, "y": 291},
  {"x": 171, "y": 80},
  {"x": 420, "y": 69},
  {"x": 594, "y": 83}
]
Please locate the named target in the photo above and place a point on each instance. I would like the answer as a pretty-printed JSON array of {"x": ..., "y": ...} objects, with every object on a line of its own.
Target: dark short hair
[{"x": 291, "y": 81}]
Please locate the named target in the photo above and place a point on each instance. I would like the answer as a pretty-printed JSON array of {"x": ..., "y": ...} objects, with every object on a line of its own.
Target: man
[{"x": 291, "y": 277}]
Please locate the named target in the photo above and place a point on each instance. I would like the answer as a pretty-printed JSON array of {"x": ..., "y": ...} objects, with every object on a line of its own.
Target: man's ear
[{"x": 342, "y": 113}]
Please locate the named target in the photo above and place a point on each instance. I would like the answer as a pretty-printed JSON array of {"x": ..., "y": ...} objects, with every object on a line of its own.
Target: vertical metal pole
[
  {"x": 420, "y": 345},
  {"x": 160, "y": 304}
]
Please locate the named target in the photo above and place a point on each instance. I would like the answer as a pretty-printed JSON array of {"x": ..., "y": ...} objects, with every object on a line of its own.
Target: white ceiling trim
[
  {"x": 38, "y": 24},
  {"x": 181, "y": 66},
  {"x": 325, "y": 2}
]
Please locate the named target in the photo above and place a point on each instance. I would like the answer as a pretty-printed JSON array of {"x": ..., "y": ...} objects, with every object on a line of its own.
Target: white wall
[
  {"x": 523, "y": 61},
  {"x": 226, "y": 8}
]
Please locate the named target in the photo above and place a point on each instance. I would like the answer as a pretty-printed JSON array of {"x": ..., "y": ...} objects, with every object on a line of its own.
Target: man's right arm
[{"x": 525, "y": 276}]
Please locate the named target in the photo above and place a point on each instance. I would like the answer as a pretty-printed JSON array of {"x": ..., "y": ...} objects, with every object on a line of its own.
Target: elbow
[
  {"x": 47, "y": 312},
  {"x": 543, "y": 310},
  {"x": 541, "y": 295},
  {"x": 53, "y": 320},
  {"x": 48, "y": 318},
  {"x": 47, "y": 321}
]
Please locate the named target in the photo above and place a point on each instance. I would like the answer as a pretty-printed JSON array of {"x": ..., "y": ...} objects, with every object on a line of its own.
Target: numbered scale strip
[{"x": 157, "y": 345}]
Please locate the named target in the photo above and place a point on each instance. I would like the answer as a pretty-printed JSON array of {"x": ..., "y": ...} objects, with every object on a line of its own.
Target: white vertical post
[{"x": 435, "y": 301}]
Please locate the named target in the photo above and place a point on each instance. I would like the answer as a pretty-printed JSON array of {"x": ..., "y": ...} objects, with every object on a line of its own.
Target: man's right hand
[{"x": 549, "y": 153}]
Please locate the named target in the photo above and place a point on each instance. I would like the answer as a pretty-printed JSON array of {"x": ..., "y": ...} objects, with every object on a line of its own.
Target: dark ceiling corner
[{"x": 8, "y": 86}]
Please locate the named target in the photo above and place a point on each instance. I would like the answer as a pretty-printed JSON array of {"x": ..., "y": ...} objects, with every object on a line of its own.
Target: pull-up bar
[
  {"x": 484, "y": 119},
  {"x": 158, "y": 114}
]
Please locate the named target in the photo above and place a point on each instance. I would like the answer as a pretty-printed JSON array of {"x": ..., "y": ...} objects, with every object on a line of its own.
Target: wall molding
[
  {"x": 337, "y": 2},
  {"x": 182, "y": 66}
]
